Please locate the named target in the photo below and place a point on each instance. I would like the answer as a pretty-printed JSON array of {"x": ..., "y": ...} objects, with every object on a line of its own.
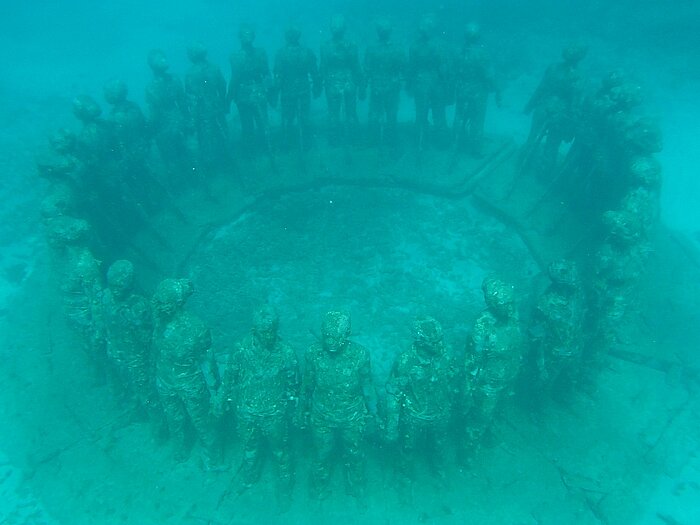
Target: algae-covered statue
[
  {"x": 249, "y": 89},
  {"x": 618, "y": 265},
  {"x": 296, "y": 80},
  {"x": 342, "y": 77},
  {"x": 92, "y": 143},
  {"x": 337, "y": 400},
  {"x": 421, "y": 391},
  {"x": 385, "y": 69},
  {"x": 261, "y": 385},
  {"x": 79, "y": 275},
  {"x": 474, "y": 81},
  {"x": 555, "y": 107},
  {"x": 168, "y": 113},
  {"x": 128, "y": 327},
  {"x": 493, "y": 358},
  {"x": 205, "y": 88},
  {"x": 131, "y": 138},
  {"x": 183, "y": 347},
  {"x": 558, "y": 324},
  {"x": 429, "y": 82}
]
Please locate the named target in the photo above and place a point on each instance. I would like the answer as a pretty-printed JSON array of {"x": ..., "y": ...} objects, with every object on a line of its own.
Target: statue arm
[
  {"x": 210, "y": 366},
  {"x": 292, "y": 380},
  {"x": 369, "y": 393},
  {"x": 308, "y": 384},
  {"x": 224, "y": 399},
  {"x": 394, "y": 400},
  {"x": 314, "y": 74}
]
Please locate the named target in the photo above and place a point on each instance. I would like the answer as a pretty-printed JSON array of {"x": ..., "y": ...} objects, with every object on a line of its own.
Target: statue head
[
  {"x": 335, "y": 331},
  {"x": 383, "y": 30},
  {"x": 265, "y": 326},
  {"x": 86, "y": 108},
  {"x": 120, "y": 278},
  {"x": 499, "y": 297},
  {"x": 170, "y": 297},
  {"x": 645, "y": 171},
  {"x": 338, "y": 26},
  {"x": 623, "y": 227},
  {"x": 426, "y": 27},
  {"x": 293, "y": 35},
  {"x": 472, "y": 33},
  {"x": 574, "y": 53},
  {"x": 427, "y": 335},
  {"x": 564, "y": 272},
  {"x": 157, "y": 61},
  {"x": 62, "y": 231},
  {"x": 246, "y": 35},
  {"x": 196, "y": 52},
  {"x": 115, "y": 92}
]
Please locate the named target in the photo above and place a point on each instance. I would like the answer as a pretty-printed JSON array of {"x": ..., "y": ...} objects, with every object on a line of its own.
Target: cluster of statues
[
  {"x": 161, "y": 357},
  {"x": 609, "y": 172},
  {"x": 120, "y": 180},
  {"x": 605, "y": 130}
]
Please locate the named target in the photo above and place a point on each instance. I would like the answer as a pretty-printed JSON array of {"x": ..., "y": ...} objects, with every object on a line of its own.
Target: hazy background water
[{"x": 54, "y": 50}]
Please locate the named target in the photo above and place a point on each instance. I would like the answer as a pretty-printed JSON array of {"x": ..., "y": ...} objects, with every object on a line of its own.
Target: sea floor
[{"x": 622, "y": 449}]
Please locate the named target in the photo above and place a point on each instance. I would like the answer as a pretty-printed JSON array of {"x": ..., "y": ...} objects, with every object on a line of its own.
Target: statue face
[
  {"x": 498, "y": 297},
  {"x": 170, "y": 296},
  {"x": 427, "y": 348},
  {"x": 157, "y": 61},
  {"x": 335, "y": 331},
  {"x": 427, "y": 335},
  {"x": 165, "y": 310},
  {"x": 265, "y": 327},
  {"x": 502, "y": 310},
  {"x": 246, "y": 36},
  {"x": 338, "y": 26},
  {"x": 120, "y": 290},
  {"x": 265, "y": 337},
  {"x": 334, "y": 343}
]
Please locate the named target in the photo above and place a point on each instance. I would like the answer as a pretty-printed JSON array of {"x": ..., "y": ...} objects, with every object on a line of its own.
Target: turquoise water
[{"x": 381, "y": 234}]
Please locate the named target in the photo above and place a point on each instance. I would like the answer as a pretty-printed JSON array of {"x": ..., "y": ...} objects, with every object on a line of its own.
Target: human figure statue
[
  {"x": 128, "y": 123},
  {"x": 558, "y": 329},
  {"x": 384, "y": 70},
  {"x": 337, "y": 399},
  {"x": 249, "y": 89},
  {"x": 642, "y": 200},
  {"x": 99, "y": 181},
  {"x": 474, "y": 81},
  {"x": 59, "y": 166},
  {"x": 205, "y": 88},
  {"x": 130, "y": 145},
  {"x": 261, "y": 385},
  {"x": 93, "y": 141},
  {"x": 493, "y": 356},
  {"x": 429, "y": 82},
  {"x": 168, "y": 115},
  {"x": 296, "y": 79},
  {"x": 128, "y": 327},
  {"x": 587, "y": 170},
  {"x": 182, "y": 344},
  {"x": 555, "y": 107},
  {"x": 59, "y": 202},
  {"x": 80, "y": 280},
  {"x": 342, "y": 76},
  {"x": 421, "y": 391},
  {"x": 618, "y": 265}
]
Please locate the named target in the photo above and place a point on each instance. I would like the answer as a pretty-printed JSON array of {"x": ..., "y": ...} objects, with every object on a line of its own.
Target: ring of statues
[{"x": 582, "y": 193}]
